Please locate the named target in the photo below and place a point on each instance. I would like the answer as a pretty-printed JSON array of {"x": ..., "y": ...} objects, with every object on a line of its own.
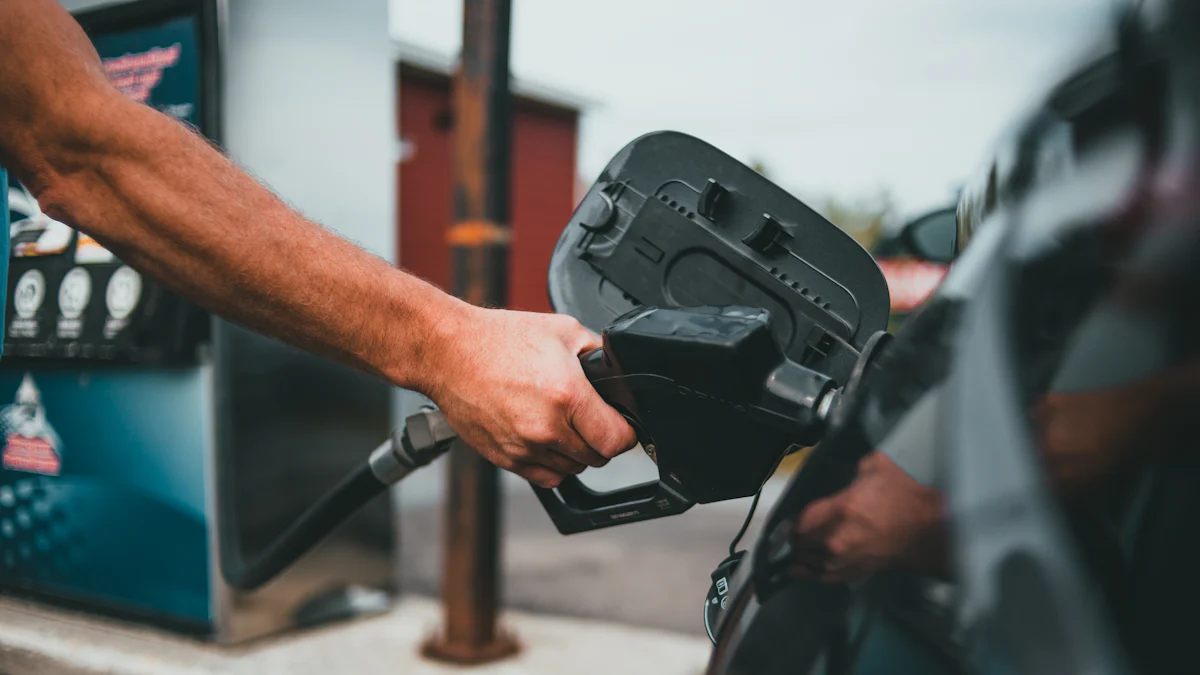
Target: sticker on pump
[
  {"x": 121, "y": 297},
  {"x": 33, "y": 233},
  {"x": 74, "y": 294},
  {"x": 88, "y": 251},
  {"x": 28, "y": 296},
  {"x": 30, "y": 443}
]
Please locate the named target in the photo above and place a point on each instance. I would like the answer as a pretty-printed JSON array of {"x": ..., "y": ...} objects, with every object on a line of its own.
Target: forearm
[{"x": 162, "y": 199}]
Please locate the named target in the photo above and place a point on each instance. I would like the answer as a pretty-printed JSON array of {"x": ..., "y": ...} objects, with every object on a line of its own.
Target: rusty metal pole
[{"x": 479, "y": 245}]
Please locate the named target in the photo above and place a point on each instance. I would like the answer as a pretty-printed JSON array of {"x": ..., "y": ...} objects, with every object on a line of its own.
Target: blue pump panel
[
  {"x": 102, "y": 491},
  {"x": 4, "y": 247},
  {"x": 106, "y": 405}
]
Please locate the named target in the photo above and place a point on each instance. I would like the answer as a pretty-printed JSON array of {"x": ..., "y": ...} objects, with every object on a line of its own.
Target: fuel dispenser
[
  {"x": 147, "y": 444},
  {"x": 163, "y": 463}
]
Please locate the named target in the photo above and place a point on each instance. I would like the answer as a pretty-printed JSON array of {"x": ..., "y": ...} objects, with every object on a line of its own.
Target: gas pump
[{"x": 146, "y": 444}]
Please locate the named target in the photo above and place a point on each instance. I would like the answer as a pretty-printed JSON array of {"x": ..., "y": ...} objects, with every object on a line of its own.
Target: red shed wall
[{"x": 543, "y": 187}]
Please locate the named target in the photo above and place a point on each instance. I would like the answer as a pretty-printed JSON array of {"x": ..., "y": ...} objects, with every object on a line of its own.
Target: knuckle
[
  {"x": 519, "y": 454},
  {"x": 505, "y": 462},
  {"x": 839, "y": 546},
  {"x": 613, "y": 442},
  {"x": 562, "y": 394},
  {"x": 536, "y": 432},
  {"x": 545, "y": 435}
]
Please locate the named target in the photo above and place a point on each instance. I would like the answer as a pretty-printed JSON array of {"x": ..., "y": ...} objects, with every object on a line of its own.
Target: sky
[{"x": 844, "y": 98}]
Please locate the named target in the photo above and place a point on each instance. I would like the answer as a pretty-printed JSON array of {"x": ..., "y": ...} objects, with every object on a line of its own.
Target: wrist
[{"x": 437, "y": 323}]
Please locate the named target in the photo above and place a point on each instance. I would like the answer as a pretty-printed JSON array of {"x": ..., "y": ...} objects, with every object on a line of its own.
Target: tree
[{"x": 862, "y": 218}]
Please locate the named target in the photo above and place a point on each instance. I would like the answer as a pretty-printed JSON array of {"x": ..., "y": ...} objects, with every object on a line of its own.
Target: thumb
[{"x": 601, "y": 426}]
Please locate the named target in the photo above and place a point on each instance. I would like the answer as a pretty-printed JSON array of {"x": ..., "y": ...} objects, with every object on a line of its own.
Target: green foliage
[{"x": 862, "y": 218}]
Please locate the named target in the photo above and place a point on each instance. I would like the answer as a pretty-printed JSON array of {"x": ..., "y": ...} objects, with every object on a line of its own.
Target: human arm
[
  {"x": 1086, "y": 440},
  {"x": 165, "y": 201}
]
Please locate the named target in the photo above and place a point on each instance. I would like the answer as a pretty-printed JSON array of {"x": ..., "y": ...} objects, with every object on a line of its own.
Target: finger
[
  {"x": 539, "y": 475},
  {"x": 558, "y": 462},
  {"x": 601, "y": 426},
  {"x": 572, "y": 445},
  {"x": 817, "y": 518}
]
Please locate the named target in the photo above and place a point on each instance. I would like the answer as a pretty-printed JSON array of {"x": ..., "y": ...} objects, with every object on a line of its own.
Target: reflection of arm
[
  {"x": 1087, "y": 438},
  {"x": 161, "y": 198},
  {"x": 885, "y": 519}
]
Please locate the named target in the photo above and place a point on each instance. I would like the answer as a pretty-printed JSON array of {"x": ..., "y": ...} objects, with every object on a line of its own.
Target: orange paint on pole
[{"x": 473, "y": 233}]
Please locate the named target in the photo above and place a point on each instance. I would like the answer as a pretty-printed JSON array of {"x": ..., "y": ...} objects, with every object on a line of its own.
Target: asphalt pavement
[{"x": 653, "y": 574}]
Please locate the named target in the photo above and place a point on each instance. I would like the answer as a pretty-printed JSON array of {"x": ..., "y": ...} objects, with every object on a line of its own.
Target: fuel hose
[{"x": 424, "y": 437}]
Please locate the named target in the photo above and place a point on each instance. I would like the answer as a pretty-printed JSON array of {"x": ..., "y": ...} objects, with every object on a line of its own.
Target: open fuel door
[
  {"x": 674, "y": 222},
  {"x": 732, "y": 314}
]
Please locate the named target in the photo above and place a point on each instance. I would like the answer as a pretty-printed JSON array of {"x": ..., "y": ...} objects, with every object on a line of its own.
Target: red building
[{"x": 545, "y": 137}]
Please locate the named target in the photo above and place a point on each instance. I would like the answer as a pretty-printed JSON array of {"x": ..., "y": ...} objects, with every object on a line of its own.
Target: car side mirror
[{"x": 932, "y": 236}]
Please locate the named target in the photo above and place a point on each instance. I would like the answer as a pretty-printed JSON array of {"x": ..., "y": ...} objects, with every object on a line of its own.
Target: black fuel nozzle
[
  {"x": 712, "y": 392},
  {"x": 425, "y": 436}
]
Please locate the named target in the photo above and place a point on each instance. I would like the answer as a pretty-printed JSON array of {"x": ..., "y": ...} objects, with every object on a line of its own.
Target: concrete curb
[{"x": 38, "y": 640}]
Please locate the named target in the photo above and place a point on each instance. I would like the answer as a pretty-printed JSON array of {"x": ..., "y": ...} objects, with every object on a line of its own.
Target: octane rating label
[
  {"x": 74, "y": 294},
  {"x": 28, "y": 297},
  {"x": 30, "y": 443},
  {"x": 121, "y": 297}
]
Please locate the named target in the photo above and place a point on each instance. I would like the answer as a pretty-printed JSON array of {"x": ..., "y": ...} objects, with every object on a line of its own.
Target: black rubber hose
[{"x": 322, "y": 518}]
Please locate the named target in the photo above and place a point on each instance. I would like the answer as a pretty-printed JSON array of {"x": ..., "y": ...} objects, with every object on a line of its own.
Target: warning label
[
  {"x": 32, "y": 455},
  {"x": 30, "y": 443}
]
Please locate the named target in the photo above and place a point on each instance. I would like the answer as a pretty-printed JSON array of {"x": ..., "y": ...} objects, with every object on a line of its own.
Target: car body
[{"x": 1067, "y": 321}]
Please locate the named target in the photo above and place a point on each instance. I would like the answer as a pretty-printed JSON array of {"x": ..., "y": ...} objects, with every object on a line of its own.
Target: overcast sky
[{"x": 842, "y": 97}]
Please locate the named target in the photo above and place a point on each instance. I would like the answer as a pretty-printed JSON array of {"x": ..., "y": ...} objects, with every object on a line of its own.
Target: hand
[
  {"x": 511, "y": 384},
  {"x": 884, "y": 518}
]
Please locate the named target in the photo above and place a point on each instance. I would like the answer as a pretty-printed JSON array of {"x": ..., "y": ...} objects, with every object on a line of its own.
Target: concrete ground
[
  {"x": 653, "y": 574},
  {"x": 35, "y": 640},
  {"x": 621, "y": 600}
]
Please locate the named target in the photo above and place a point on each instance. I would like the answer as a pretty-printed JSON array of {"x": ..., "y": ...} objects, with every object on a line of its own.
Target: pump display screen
[
  {"x": 158, "y": 66},
  {"x": 71, "y": 298}
]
